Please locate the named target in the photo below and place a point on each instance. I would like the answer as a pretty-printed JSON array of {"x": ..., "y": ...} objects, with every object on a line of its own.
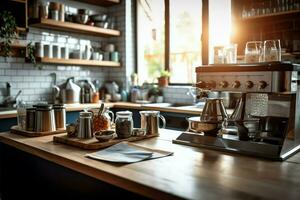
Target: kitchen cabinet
[{"x": 259, "y": 20}]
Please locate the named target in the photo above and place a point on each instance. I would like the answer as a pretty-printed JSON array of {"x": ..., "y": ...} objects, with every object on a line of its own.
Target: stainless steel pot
[
  {"x": 206, "y": 127},
  {"x": 44, "y": 118}
]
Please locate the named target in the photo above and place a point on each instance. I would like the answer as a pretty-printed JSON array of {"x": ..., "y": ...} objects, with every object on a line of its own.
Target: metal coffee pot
[{"x": 69, "y": 92}]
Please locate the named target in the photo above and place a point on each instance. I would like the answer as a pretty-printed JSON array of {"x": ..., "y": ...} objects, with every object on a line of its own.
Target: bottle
[{"x": 21, "y": 114}]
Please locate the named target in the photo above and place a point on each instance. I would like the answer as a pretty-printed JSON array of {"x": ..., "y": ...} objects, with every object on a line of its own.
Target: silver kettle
[{"x": 69, "y": 91}]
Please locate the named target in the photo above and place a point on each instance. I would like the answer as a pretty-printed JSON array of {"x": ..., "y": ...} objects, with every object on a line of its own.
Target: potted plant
[
  {"x": 8, "y": 32},
  {"x": 163, "y": 80}
]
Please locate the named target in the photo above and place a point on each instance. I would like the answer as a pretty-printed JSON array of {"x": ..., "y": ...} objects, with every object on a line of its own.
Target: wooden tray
[
  {"x": 17, "y": 130},
  {"x": 93, "y": 143}
]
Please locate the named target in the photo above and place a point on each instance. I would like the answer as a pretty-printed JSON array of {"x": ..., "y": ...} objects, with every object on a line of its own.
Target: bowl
[
  {"x": 83, "y": 11},
  {"x": 105, "y": 136},
  {"x": 99, "y": 17},
  {"x": 138, "y": 132},
  {"x": 81, "y": 18},
  {"x": 101, "y": 24},
  {"x": 207, "y": 127}
]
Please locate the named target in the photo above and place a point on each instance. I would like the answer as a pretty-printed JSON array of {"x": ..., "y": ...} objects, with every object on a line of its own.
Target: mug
[
  {"x": 106, "y": 56},
  {"x": 48, "y": 51},
  {"x": 109, "y": 48},
  {"x": 150, "y": 121},
  {"x": 114, "y": 56},
  {"x": 64, "y": 51},
  {"x": 39, "y": 49},
  {"x": 95, "y": 56},
  {"x": 56, "y": 51}
]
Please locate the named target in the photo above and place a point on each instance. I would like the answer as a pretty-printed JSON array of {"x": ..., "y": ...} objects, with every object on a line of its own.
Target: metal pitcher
[
  {"x": 150, "y": 121},
  {"x": 69, "y": 91},
  {"x": 214, "y": 110}
]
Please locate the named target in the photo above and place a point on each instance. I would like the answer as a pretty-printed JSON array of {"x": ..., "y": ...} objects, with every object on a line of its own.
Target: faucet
[{"x": 10, "y": 101}]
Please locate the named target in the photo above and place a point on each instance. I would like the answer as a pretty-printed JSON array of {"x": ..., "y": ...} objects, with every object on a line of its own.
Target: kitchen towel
[{"x": 126, "y": 152}]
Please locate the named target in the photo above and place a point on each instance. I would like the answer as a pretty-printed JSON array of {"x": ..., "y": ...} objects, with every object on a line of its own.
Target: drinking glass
[
  {"x": 230, "y": 53},
  {"x": 272, "y": 50},
  {"x": 253, "y": 52}
]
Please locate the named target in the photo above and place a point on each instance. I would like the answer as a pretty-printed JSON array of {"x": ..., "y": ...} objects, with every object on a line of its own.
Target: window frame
[{"x": 204, "y": 36}]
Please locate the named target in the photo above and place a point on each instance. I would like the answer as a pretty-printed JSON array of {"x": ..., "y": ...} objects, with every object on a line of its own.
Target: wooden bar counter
[{"x": 191, "y": 173}]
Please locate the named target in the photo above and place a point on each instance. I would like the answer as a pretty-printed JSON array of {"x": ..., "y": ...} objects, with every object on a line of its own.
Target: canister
[
  {"x": 30, "y": 119},
  {"x": 85, "y": 125},
  {"x": 60, "y": 116}
]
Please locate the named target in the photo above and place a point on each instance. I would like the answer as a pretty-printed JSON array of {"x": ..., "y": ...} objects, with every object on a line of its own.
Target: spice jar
[
  {"x": 102, "y": 121},
  {"x": 124, "y": 124}
]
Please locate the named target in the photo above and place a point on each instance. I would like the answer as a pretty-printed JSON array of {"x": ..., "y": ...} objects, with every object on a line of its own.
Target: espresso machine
[{"x": 266, "y": 120}]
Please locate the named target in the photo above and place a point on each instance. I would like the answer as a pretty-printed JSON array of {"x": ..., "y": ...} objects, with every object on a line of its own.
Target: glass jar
[
  {"x": 124, "y": 124},
  {"x": 102, "y": 121},
  {"x": 21, "y": 114}
]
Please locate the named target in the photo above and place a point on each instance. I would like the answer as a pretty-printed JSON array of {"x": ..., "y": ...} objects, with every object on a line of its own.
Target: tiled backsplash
[{"x": 36, "y": 84}]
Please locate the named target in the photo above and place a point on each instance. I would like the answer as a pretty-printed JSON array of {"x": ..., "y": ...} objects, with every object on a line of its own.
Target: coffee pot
[{"x": 69, "y": 91}]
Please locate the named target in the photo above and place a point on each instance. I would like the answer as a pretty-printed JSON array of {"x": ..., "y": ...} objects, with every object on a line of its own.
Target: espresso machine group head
[{"x": 266, "y": 120}]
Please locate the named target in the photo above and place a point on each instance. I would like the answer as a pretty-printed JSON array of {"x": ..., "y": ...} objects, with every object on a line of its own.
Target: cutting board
[
  {"x": 93, "y": 143},
  {"x": 17, "y": 130}
]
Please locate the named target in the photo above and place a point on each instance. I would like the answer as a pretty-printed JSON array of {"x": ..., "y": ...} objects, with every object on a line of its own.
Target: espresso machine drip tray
[{"x": 230, "y": 143}]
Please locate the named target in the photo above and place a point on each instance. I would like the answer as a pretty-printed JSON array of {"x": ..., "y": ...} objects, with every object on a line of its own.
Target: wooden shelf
[
  {"x": 271, "y": 15},
  {"x": 19, "y": 1},
  {"x": 77, "y": 62},
  {"x": 73, "y": 27},
  {"x": 105, "y": 3},
  {"x": 17, "y": 50}
]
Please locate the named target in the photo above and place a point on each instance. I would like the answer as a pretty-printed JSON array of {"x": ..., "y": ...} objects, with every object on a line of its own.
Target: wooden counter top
[{"x": 191, "y": 173}]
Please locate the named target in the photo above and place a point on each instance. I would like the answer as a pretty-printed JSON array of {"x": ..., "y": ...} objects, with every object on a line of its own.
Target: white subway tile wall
[{"x": 36, "y": 84}]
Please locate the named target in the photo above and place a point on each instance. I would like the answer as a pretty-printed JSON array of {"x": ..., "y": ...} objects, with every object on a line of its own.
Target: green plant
[
  {"x": 165, "y": 73},
  {"x": 31, "y": 53},
  {"x": 8, "y": 31}
]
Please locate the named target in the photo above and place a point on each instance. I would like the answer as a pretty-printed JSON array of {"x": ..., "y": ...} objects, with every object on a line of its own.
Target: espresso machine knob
[
  {"x": 223, "y": 84},
  {"x": 201, "y": 84},
  {"x": 262, "y": 85},
  {"x": 236, "y": 84},
  {"x": 249, "y": 84}
]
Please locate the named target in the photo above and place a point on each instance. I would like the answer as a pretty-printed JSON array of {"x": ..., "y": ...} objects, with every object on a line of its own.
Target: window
[
  {"x": 219, "y": 24},
  {"x": 172, "y": 26}
]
